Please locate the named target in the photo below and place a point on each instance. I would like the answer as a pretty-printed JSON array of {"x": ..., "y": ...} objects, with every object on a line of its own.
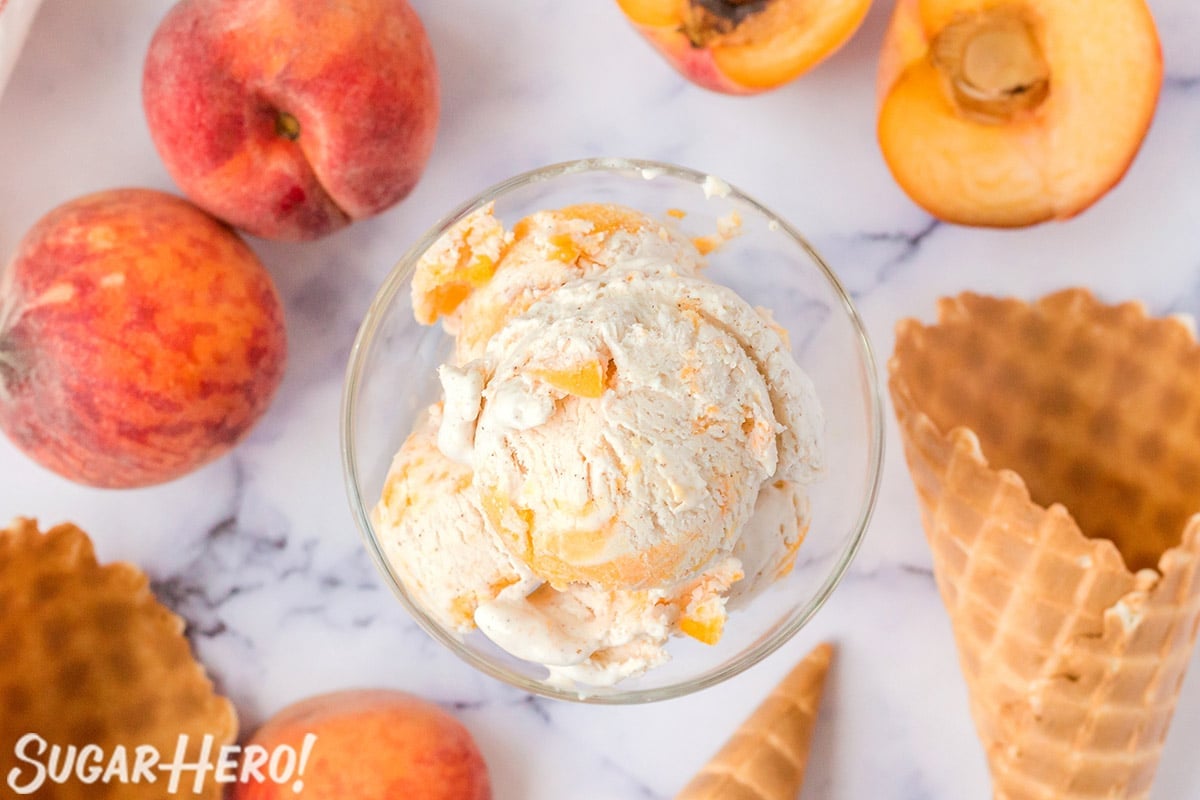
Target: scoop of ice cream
[
  {"x": 595, "y": 636},
  {"x": 478, "y": 276},
  {"x": 566, "y": 628},
  {"x": 768, "y": 544},
  {"x": 434, "y": 534},
  {"x": 459, "y": 261},
  {"x": 453, "y": 565},
  {"x": 623, "y": 447},
  {"x": 652, "y": 406}
]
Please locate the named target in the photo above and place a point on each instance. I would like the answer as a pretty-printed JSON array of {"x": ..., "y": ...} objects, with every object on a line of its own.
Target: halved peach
[
  {"x": 745, "y": 46},
  {"x": 1006, "y": 114}
]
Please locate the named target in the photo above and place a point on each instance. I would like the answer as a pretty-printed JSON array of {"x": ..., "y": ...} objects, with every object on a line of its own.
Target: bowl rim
[{"x": 398, "y": 277}]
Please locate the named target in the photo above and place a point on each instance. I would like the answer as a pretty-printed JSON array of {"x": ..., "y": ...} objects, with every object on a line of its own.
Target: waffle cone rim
[
  {"x": 965, "y": 442},
  {"x": 927, "y": 447},
  {"x": 136, "y": 584}
]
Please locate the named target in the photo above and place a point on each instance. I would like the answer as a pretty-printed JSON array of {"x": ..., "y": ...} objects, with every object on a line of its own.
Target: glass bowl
[{"x": 391, "y": 379}]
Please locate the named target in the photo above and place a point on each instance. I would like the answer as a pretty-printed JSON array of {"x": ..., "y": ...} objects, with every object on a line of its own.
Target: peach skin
[
  {"x": 373, "y": 745},
  {"x": 290, "y": 119},
  {"x": 139, "y": 339}
]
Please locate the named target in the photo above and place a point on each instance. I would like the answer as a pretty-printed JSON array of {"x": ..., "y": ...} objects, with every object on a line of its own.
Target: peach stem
[
  {"x": 9, "y": 315},
  {"x": 6, "y": 363},
  {"x": 287, "y": 126}
]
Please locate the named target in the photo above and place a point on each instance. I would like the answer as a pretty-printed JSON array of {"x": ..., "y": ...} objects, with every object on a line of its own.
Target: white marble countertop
[{"x": 258, "y": 550}]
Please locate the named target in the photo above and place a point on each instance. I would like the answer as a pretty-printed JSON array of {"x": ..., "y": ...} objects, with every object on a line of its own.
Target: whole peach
[
  {"x": 371, "y": 745},
  {"x": 139, "y": 339},
  {"x": 290, "y": 119}
]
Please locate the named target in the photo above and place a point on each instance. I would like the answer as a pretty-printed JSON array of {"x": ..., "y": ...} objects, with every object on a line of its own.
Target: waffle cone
[
  {"x": 1055, "y": 449},
  {"x": 767, "y": 756},
  {"x": 89, "y": 657}
]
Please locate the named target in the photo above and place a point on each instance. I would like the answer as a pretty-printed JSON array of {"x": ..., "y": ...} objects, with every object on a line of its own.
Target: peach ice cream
[
  {"x": 447, "y": 557},
  {"x": 622, "y": 447}
]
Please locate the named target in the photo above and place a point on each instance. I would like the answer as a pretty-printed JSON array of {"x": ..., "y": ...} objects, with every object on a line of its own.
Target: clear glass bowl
[{"x": 391, "y": 378}]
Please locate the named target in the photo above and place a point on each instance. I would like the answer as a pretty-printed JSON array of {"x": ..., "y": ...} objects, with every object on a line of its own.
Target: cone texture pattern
[
  {"x": 1055, "y": 450},
  {"x": 88, "y": 656},
  {"x": 766, "y": 758}
]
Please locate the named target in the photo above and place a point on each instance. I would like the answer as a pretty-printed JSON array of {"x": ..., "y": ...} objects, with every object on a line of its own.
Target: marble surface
[{"x": 258, "y": 551}]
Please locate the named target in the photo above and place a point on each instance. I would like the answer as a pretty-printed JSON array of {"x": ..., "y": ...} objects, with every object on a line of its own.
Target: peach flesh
[
  {"x": 1049, "y": 116},
  {"x": 745, "y": 46}
]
